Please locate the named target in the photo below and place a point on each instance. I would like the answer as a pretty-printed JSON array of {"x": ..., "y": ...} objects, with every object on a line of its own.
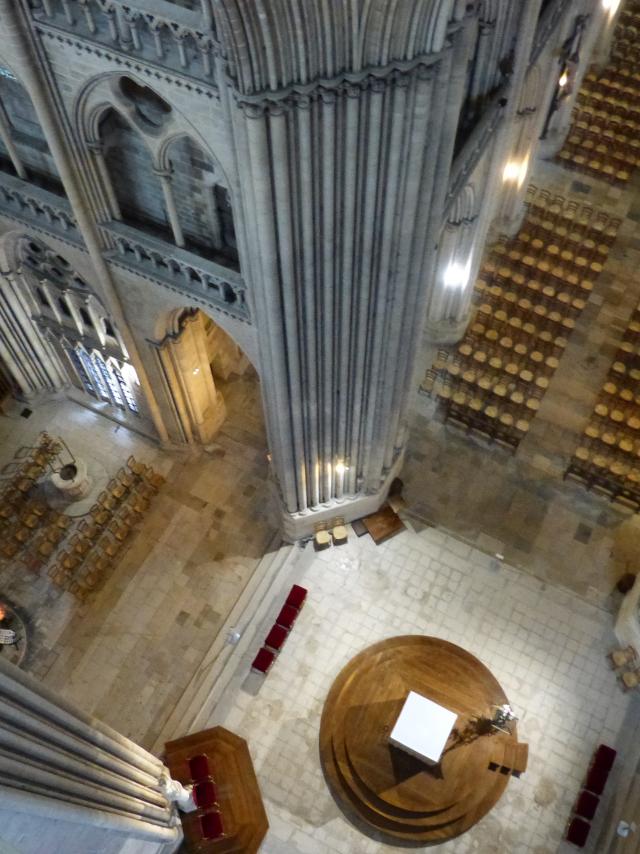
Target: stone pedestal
[{"x": 72, "y": 481}]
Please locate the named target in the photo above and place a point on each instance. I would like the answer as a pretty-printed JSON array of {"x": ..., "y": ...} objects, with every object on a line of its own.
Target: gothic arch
[
  {"x": 101, "y": 93},
  {"x": 197, "y": 358}
]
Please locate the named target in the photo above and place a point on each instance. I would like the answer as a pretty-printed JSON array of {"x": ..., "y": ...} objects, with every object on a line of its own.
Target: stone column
[
  {"x": 97, "y": 150},
  {"x": 342, "y": 187},
  {"x": 61, "y": 766},
  {"x": 28, "y": 62},
  {"x": 172, "y": 211}
]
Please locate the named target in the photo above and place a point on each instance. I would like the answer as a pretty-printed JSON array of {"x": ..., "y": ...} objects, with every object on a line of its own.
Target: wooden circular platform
[{"x": 389, "y": 794}]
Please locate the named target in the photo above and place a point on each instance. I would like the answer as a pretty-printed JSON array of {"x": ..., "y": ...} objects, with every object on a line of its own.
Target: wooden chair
[
  {"x": 119, "y": 530},
  {"x": 126, "y": 478},
  {"x": 9, "y": 549},
  {"x": 99, "y": 515},
  {"x": 90, "y": 530},
  {"x": 156, "y": 480},
  {"x": 136, "y": 468},
  {"x": 116, "y": 489},
  {"x": 80, "y": 545},
  {"x": 339, "y": 533},
  {"x": 630, "y": 680},
  {"x": 321, "y": 539},
  {"x": 111, "y": 548},
  {"x": 622, "y": 657}
]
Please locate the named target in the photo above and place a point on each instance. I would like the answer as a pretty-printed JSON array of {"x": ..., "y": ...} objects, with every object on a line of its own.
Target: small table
[{"x": 423, "y": 728}]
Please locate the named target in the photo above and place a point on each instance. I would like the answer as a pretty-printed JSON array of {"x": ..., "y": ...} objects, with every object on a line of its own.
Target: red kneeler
[
  {"x": 263, "y": 660},
  {"x": 205, "y": 794},
  {"x": 211, "y": 825},
  {"x": 296, "y": 597},
  {"x": 199, "y": 767},
  {"x": 578, "y": 831},
  {"x": 276, "y": 638},
  {"x": 586, "y": 805},
  {"x": 287, "y": 617},
  {"x": 596, "y": 780},
  {"x": 604, "y": 757}
]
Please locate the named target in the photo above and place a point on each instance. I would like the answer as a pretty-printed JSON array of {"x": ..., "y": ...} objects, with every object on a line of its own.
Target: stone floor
[
  {"x": 519, "y": 506},
  {"x": 128, "y": 652},
  {"x": 545, "y": 646}
]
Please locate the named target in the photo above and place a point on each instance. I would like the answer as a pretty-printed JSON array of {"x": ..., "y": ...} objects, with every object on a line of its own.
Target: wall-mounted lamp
[
  {"x": 457, "y": 275},
  {"x": 564, "y": 79},
  {"x": 610, "y": 6},
  {"x": 196, "y": 371},
  {"x": 341, "y": 468},
  {"x": 515, "y": 171}
]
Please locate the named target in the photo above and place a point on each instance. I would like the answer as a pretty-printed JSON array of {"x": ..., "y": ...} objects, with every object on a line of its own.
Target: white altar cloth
[{"x": 422, "y": 728}]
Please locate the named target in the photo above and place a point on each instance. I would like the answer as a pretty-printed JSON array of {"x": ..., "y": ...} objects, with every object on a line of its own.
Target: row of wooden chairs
[
  {"x": 567, "y": 218},
  {"x": 493, "y": 383},
  {"x": 607, "y": 460},
  {"x": 603, "y": 140},
  {"x": 101, "y": 537}
]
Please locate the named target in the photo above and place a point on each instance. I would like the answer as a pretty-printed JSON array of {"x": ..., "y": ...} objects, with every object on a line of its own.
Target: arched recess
[
  {"x": 135, "y": 185},
  {"x": 210, "y": 380},
  {"x": 157, "y": 174},
  {"x": 204, "y": 205},
  {"x": 77, "y": 341},
  {"x": 24, "y": 150}
]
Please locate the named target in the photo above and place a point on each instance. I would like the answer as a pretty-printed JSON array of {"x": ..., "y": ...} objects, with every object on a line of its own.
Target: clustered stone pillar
[{"x": 61, "y": 765}]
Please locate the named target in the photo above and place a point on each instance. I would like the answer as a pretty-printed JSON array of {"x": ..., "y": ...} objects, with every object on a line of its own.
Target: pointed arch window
[
  {"x": 125, "y": 388},
  {"x": 64, "y": 307},
  {"x": 86, "y": 317},
  {"x": 108, "y": 379},
  {"x": 80, "y": 369}
]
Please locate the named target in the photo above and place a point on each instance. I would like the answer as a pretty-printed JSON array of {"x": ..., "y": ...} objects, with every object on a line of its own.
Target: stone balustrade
[
  {"x": 151, "y": 30},
  {"x": 36, "y": 207},
  {"x": 178, "y": 269}
]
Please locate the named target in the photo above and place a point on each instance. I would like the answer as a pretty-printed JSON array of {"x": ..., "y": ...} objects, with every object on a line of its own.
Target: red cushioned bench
[{"x": 578, "y": 832}]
